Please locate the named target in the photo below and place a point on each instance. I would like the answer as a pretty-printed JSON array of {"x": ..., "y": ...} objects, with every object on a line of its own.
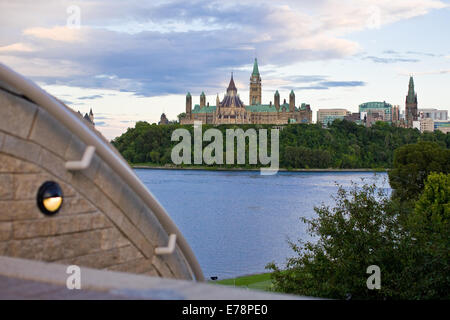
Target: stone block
[
  {"x": 51, "y": 226},
  {"x": 50, "y": 133},
  {"x": 105, "y": 259},
  {"x": 151, "y": 228},
  {"x": 20, "y": 148},
  {"x": 27, "y": 185},
  {"x": 56, "y": 248},
  {"x": 2, "y": 137},
  {"x": 113, "y": 238},
  {"x": 76, "y": 205},
  {"x": 109, "y": 182},
  {"x": 177, "y": 264},
  {"x": 135, "y": 266},
  {"x": 6, "y": 186},
  {"x": 54, "y": 164},
  {"x": 162, "y": 268},
  {"x": 14, "y": 165},
  {"x": 5, "y": 231},
  {"x": 19, "y": 210},
  {"x": 152, "y": 273},
  {"x": 3, "y": 246},
  {"x": 16, "y": 114},
  {"x": 75, "y": 152},
  {"x": 105, "y": 204}
]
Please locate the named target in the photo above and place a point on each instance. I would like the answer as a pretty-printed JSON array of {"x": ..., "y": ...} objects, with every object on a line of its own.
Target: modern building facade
[
  {"x": 232, "y": 110},
  {"x": 327, "y": 116},
  {"x": 442, "y": 125},
  {"x": 424, "y": 125},
  {"x": 434, "y": 114},
  {"x": 381, "y": 111}
]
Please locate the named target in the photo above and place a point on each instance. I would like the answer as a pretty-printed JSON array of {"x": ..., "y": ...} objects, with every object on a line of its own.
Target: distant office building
[
  {"x": 442, "y": 125},
  {"x": 381, "y": 111},
  {"x": 434, "y": 114},
  {"x": 411, "y": 104},
  {"x": 353, "y": 117},
  {"x": 369, "y": 118},
  {"x": 327, "y": 116},
  {"x": 426, "y": 125}
]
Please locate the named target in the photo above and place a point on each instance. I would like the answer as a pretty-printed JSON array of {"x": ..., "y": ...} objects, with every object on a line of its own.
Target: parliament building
[{"x": 231, "y": 110}]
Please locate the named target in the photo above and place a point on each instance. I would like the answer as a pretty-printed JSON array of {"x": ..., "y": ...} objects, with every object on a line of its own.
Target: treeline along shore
[{"x": 343, "y": 145}]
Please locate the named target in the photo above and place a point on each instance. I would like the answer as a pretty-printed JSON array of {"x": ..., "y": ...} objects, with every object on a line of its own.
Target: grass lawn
[{"x": 257, "y": 281}]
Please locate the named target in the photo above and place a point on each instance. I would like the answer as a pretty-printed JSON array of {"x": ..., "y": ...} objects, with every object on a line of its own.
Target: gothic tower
[
  {"x": 91, "y": 116},
  {"x": 292, "y": 101},
  {"x": 255, "y": 85},
  {"x": 277, "y": 100},
  {"x": 188, "y": 105},
  {"x": 411, "y": 104},
  {"x": 202, "y": 100}
]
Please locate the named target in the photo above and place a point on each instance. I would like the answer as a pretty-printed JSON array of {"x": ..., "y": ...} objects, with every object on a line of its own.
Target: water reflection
[{"x": 236, "y": 222}]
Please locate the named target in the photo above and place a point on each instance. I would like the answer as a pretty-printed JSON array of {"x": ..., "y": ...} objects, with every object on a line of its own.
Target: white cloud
[
  {"x": 38, "y": 67},
  {"x": 343, "y": 16},
  {"x": 58, "y": 33},
  {"x": 18, "y": 47},
  {"x": 431, "y": 72}
]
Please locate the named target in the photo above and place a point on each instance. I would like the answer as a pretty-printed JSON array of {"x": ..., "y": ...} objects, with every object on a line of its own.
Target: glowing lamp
[{"x": 49, "y": 198}]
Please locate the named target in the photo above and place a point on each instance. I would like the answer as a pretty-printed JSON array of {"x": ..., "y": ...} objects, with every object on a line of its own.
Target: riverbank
[
  {"x": 260, "y": 281},
  {"x": 203, "y": 168}
]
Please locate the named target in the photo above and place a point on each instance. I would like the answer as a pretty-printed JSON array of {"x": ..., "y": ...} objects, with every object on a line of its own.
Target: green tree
[
  {"x": 428, "y": 266},
  {"x": 412, "y": 164},
  {"x": 361, "y": 230},
  {"x": 181, "y": 116}
]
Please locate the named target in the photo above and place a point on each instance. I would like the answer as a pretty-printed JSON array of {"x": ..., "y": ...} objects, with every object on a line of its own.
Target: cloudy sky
[{"x": 133, "y": 60}]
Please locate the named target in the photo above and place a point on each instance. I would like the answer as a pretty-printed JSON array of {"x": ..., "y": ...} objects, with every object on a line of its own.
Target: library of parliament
[{"x": 231, "y": 110}]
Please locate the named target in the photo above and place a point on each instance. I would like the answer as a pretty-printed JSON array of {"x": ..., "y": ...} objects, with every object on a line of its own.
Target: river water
[{"x": 238, "y": 221}]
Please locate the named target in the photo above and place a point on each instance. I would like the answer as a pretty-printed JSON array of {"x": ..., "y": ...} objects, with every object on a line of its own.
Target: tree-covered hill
[{"x": 343, "y": 145}]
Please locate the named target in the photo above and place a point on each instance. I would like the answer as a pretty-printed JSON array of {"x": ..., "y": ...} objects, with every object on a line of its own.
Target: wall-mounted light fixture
[{"x": 49, "y": 198}]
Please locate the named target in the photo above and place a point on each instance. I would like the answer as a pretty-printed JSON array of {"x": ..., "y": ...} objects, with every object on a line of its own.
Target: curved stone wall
[{"x": 102, "y": 224}]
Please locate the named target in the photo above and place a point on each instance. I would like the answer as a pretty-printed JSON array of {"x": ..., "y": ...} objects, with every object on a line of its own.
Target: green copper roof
[
  {"x": 188, "y": 94},
  {"x": 266, "y": 108},
  {"x": 255, "y": 68},
  {"x": 277, "y": 93},
  {"x": 203, "y": 94},
  {"x": 292, "y": 92},
  {"x": 205, "y": 109}
]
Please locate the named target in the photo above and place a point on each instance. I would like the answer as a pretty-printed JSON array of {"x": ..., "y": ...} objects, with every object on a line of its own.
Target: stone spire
[
  {"x": 411, "y": 104},
  {"x": 412, "y": 96},
  {"x": 202, "y": 100},
  {"x": 231, "y": 86},
  {"x": 255, "y": 68},
  {"x": 255, "y": 91}
]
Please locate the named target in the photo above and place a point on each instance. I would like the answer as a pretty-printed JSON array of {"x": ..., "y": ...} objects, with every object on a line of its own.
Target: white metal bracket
[
  {"x": 170, "y": 247},
  {"x": 84, "y": 162}
]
